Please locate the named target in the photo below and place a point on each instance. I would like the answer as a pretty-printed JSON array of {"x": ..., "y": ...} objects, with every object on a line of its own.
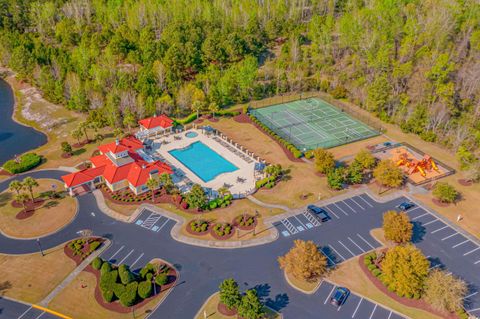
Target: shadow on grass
[
  {"x": 5, "y": 198},
  {"x": 78, "y": 151}
]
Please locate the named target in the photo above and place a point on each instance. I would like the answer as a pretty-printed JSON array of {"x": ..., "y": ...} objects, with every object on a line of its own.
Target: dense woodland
[{"x": 415, "y": 63}]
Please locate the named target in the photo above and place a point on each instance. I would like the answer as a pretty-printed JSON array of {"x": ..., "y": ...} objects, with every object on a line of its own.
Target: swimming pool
[
  {"x": 191, "y": 134},
  {"x": 203, "y": 161}
]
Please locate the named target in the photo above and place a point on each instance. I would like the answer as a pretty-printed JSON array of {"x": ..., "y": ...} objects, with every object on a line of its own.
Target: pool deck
[{"x": 246, "y": 171}]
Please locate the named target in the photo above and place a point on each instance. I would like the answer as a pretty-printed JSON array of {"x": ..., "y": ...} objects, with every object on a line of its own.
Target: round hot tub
[{"x": 191, "y": 134}]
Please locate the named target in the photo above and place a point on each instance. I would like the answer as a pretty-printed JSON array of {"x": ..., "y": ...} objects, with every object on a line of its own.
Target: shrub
[
  {"x": 145, "y": 289},
  {"x": 118, "y": 290},
  {"x": 129, "y": 297},
  {"x": 26, "y": 162},
  {"x": 106, "y": 267},
  {"x": 107, "y": 295},
  {"x": 339, "y": 92},
  {"x": 149, "y": 276},
  {"x": 94, "y": 246},
  {"x": 376, "y": 272},
  {"x": 161, "y": 279},
  {"x": 445, "y": 192},
  {"x": 126, "y": 276},
  {"x": 108, "y": 280},
  {"x": 192, "y": 117},
  {"x": 97, "y": 263},
  {"x": 371, "y": 267}
]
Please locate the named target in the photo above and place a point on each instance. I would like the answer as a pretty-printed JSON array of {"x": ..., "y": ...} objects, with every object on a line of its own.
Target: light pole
[{"x": 40, "y": 247}]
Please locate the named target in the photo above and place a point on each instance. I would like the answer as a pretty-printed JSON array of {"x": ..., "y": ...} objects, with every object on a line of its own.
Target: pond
[{"x": 15, "y": 138}]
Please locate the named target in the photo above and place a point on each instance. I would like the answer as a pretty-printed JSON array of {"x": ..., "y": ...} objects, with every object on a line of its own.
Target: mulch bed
[
  {"x": 225, "y": 311},
  {"x": 234, "y": 223},
  {"x": 243, "y": 118},
  {"x": 191, "y": 232},
  {"x": 320, "y": 174},
  {"x": 414, "y": 303},
  {"x": 5, "y": 173},
  {"x": 81, "y": 144},
  {"x": 224, "y": 237},
  {"x": 198, "y": 121},
  {"x": 86, "y": 249},
  {"x": 66, "y": 155},
  {"x": 439, "y": 203},
  {"x": 116, "y": 306},
  {"x": 29, "y": 205},
  {"x": 465, "y": 182},
  {"x": 24, "y": 214}
]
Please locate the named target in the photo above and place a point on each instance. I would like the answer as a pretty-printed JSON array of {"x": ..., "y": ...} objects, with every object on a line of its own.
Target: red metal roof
[
  {"x": 129, "y": 143},
  {"x": 140, "y": 172},
  {"x": 156, "y": 121},
  {"x": 82, "y": 177}
]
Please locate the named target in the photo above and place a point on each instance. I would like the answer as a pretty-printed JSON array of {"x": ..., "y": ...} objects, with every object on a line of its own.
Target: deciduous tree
[
  {"x": 444, "y": 291},
  {"x": 250, "y": 306},
  {"x": 324, "y": 160},
  {"x": 388, "y": 174},
  {"x": 445, "y": 192},
  {"x": 397, "y": 227},
  {"x": 230, "y": 293},
  {"x": 304, "y": 261}
]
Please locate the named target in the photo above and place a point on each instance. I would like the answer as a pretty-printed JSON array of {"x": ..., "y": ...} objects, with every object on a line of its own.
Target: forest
[{"x": 415, "y": 63}]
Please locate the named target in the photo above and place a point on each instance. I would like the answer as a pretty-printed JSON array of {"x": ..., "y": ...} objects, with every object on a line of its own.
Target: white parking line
[
  {"x": 430, "y": 222},
  {"x": 40, "y": 315},
  {"x": 436, "y": 230},
  {"x": 353, "y": 210},
  {"x": 340, "y": 209},
  {"x": 356, "y": 244},
  {"x": 473, "y": 310},
  {"x": 365, "y": 241},
  {"x": 137, "y": 260},
  {"x": 331, "y": 212},
  {"x": 353, "y": 200},
  {"x": 358, "y": 306},
  {"x": 365, "y": 201},
  {"x": 390, "y": 314},
  {"x": 436, "y": 266},
  {"x": 168, "y": 219},
  {"x": 419, "y": 216},
  {"x": 470, "y": 295},
  {"x": 116, "y": 252},
  {"x": 478, "y": 261},
  {"x": 463, "y": 242},
  {"x": 300, "y": 222},
  {"x": 326, "y": 299},
  {"x": 23, "y": 314},
  {"x": 121, "y": 261},
  {"x": 445, "y": 238},
  {"x": 346, "y": 248},
  {"x": 331, "y": 247},
  {"x": 373, "y": 311},
  {"x": 471, "y": 251},
  {"x": 328, "y": 257}
]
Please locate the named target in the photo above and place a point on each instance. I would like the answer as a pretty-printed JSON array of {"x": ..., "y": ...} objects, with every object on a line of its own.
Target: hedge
[
  {"x": 118, "y": 290},
  {"x": 94, "y": 246},
  {"x": 289, "y": 146},
  {"x": 107, "y": 295},
  {"x": 129, "y": 297},
  {"x": 106, "y": 267},
  {"x": 145, "y": 289},
  {"x": 192, "y": 117},
  {"x": 161, "y": 279},
  {"x": 97, "y": 263},
  {"x": 126, "y": 276},
  {"x": 26, "y": 162}
]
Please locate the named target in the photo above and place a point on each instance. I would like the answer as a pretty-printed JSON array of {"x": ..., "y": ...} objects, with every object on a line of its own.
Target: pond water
[{"x": 15, "y": 138}]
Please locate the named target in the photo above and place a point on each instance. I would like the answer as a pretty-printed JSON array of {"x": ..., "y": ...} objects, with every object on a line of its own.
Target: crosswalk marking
[
  {"x": 312, "y": 219},
  {"x": 151, "y": 220},
  {"x": 289, "y": 226}
]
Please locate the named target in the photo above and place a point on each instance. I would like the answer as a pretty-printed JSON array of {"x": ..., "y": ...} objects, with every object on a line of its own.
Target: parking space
[
  {"x": 449, "y": 250},
  {"x": 355, "y": 306},
  {"x": 343, "y": 248},
  {"x": 22, "y": 311},
  {"x": 153, "y": 221},
  {"x": 122, "y": 254}
]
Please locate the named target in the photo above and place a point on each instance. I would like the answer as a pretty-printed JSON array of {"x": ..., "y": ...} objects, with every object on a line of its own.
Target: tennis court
[{"x": 312, "y": 123}]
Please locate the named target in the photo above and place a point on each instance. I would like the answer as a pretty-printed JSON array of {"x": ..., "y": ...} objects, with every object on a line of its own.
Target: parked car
[
  {"x": 406, "y": 206},
  {"x": 317, "y": 211},
  {"x": 340, "y": 296}
]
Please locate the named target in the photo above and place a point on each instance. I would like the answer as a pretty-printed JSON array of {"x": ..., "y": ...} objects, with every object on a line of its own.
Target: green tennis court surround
[{"x": 312, "y": 123}]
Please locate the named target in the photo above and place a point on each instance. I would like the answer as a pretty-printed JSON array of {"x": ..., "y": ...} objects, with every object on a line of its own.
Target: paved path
[
  {"x": 267, "y": 205},
  {"x": 202, "y": 269}
]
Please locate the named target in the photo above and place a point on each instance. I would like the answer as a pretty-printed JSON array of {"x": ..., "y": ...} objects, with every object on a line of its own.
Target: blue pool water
[
  {"x": 203, "y": 161},
  {"x": 191, "y": 134}
]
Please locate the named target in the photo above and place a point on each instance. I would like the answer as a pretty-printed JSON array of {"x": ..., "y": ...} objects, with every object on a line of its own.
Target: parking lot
[
  {"x": 118, "y": 254},
  {"x": 153, "y": 221},
  {"x": 13, "y": 310},
  {"x": 450, "y": 250}
]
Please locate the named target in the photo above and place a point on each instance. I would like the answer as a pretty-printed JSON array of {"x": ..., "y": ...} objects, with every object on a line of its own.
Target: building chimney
[
  {"x": 117, "y": 141},
  {"x": 144, "y": 166}
]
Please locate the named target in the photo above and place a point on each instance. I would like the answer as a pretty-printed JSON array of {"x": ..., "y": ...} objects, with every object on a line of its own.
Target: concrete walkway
[
  {"x": 74, "y": 274},
  {"x": 267, "y": 205}
]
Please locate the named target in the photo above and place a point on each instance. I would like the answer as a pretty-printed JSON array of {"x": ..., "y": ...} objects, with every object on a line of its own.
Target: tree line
[{"x": 413, "y": 63}]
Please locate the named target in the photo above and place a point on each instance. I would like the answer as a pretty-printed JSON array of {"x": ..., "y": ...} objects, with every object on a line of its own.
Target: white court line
[
  {"x": 430, "y": 222},
  {"x": 116, "y": 252},
  {"x": 326, "y": 299},
  {"x": 340, "y": 209},
  {"x": 137, "y": 260},
  {"x": 345, "y": 202},
  {"x": 346, "y": 248},
  {"x": 358, "y": 306},
  {"x": 168, "y": 219},
  {"x": 365, "y": 241},
  {"x": 40, "y": 315},
  {"x": 331, "y": 247},
  {"x": 23, "y": 314},
  {"x": 131, "y": 251},
  {"x": 463, "y": 242},
  {"x": 365, "y": 201},
  {"x": 373, "y": 311},
  {"x": 356, "y": 244},
  {"x": 433, "y": 232},
  {"x": 470, "y": 295},
  {"x": 353, "y": 200},
  {"x": 471, "y": 251},
  {"x": 300, "y": 222},
  {"x": 419, "y": 216},
  {"x": 445, "y": 238},
  {"x": 331, "y": 212}
]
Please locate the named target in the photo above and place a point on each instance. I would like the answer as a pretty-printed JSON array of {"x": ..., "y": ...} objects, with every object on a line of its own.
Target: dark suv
[
  {"x": 406, "y": 206},
  {"x": 317, "y": 211},
  {"x": 340, "y": 296}
]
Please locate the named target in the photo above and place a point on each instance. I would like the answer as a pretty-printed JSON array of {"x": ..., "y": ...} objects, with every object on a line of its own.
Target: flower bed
[
  {"x": 222, "y": 231},
  {"x": 198, "y": 227},
  {"x": 245, "y": 222},
  {"x": 79, "y": 249}
]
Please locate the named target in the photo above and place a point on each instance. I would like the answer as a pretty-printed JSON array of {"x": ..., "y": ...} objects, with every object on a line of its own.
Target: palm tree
[
  {"x": 214, "y": 108},
  {"x": 167, "y": 182},
  {"x": 30, "y": 183},
  {"x": 22, "y": 198},
  {"x": 196, "y": 107},
  {"x": 153, "y": 184},
  {"x": 83, "y": 127},
  {"x": 16, "y": 186},
  {"x": 77, "y": 133},
  {"x": 222, "y": 191}
]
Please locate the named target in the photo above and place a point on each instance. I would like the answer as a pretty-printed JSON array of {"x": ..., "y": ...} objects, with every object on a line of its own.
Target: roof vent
[{"x": 117, "y": 141}]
